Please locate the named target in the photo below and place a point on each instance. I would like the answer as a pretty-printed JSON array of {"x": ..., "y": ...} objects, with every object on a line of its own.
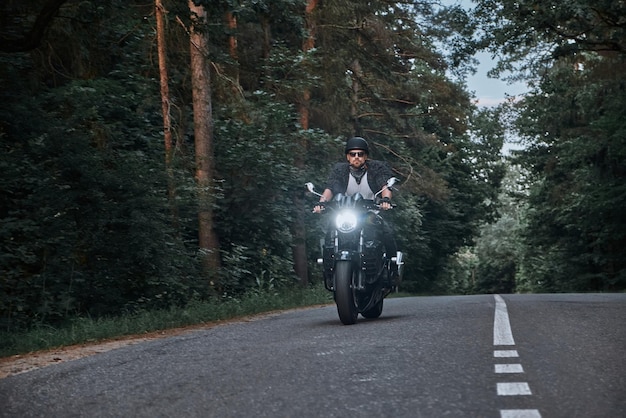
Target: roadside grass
[{"x": 88, "y": 330}]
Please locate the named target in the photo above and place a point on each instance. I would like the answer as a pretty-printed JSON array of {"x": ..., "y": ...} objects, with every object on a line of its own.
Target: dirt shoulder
[{"x": 23, "y": 363}]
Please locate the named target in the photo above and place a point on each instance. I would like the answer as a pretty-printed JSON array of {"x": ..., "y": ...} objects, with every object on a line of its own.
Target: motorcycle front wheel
[{"x": 344, "y": 293}]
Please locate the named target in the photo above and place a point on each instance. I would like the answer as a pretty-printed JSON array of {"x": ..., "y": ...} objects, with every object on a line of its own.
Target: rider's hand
[
  {"x": 319, "y": 208},
  {"x": 385, "y": 203}
]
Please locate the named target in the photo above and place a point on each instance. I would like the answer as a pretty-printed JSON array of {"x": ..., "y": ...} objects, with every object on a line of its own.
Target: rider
[{"x": 361, "y": 175}]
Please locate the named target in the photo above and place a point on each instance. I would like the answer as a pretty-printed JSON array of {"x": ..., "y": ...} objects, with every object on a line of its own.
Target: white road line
[
  {"x": 509, "y": 368},
  {"x": 513, "y": 389},
  {"x": 520, "y": 413},
  {"x": 505, "y": 353},
  {"x": 502, "y": 334}
]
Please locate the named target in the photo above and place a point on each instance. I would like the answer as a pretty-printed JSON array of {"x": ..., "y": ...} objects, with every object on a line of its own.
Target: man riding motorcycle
[{"x": 361, "y": 175}]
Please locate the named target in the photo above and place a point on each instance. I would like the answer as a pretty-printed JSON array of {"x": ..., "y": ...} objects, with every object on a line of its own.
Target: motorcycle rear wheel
[
  {"x": 375, "y": 311},
  {"x": 344, "y": 293}
]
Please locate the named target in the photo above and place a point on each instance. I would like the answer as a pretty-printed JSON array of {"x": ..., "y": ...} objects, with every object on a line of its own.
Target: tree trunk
[
  {"x": 298, "y": 226},
  {"x": 203, "y": 134},
  {"x": 356, "y": 87},
  {"x": 307, "y": 45},
  {"x": 231, "y": 22},
  {"x": 164, "y": 79},
  {"x": 165, "y": 103}
]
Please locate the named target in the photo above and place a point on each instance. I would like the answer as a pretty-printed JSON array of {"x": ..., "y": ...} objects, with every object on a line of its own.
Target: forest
[{"x": 154, "y": 152}]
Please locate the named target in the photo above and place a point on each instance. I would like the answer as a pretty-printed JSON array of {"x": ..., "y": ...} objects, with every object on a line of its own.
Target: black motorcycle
[{"x": 357, "y": 268}]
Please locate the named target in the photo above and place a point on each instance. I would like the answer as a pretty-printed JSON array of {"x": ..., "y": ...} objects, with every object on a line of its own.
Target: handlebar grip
[{"x": 321, "y": 204}]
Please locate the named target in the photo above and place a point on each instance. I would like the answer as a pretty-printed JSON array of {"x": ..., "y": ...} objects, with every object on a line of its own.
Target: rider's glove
[
  {"x": 385, "y": 203},
  {"x": 320, "y": 205}
]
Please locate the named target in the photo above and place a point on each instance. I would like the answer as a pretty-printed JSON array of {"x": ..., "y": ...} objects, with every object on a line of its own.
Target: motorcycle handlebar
[{"x": 324, "y": 205}]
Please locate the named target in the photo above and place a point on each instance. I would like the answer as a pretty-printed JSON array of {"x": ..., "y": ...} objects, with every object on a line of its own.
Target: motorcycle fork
[{"x": 361, "y": 272}]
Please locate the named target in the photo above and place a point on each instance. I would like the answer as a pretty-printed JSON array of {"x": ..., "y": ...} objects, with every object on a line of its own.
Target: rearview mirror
[
  {"x": 312, "y": 189},
  {"x": 391, "y": 182}
]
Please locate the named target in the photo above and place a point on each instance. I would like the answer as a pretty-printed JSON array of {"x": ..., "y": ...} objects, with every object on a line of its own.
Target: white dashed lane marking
[
  {"x": 520, "y": 413},
  {"x": 509, "y": 368},
  {"x": 505, "y": 353},
  {"x": 503, "y": 336},
  {"x": 513, "y": 389}
]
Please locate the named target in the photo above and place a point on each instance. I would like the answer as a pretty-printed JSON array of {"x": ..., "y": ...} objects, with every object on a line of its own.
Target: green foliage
[
  {"x": 85, "y": 219},
  {"x": 415, "y": 118},
  {"x": 580, "y": 180},
  {"x": 572, "y": 229},
  {"x": 530, "y": 35},
  {"x": 473, "y": 172},
  {"x": 256, "y": 173},
  {"x": 91, "y": 222},
  {"x": 84, "y": 330}
]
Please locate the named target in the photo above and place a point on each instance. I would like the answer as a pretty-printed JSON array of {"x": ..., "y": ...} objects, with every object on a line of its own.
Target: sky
[
  {"x": 488, "y": 91},
  {"x": 491, "y": 91}
]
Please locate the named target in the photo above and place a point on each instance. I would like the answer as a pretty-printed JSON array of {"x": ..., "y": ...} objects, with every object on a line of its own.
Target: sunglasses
[{"x": 356, "y": 154}]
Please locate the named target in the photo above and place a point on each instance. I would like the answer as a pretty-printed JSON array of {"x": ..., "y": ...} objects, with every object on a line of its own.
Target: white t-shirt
[{"x": 363, "y": 187}]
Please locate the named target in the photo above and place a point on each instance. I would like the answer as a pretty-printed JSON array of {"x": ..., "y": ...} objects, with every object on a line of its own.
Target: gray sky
[
  {"x": 491, "y": 91},
  {"x": 488, "y": 91}
]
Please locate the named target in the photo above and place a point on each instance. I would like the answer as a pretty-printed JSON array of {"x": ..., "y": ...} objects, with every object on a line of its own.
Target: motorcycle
[{"x": 357, "y": 268}]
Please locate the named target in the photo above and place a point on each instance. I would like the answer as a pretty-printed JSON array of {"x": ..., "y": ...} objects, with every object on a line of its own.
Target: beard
[{"x": 358, "y": 172}]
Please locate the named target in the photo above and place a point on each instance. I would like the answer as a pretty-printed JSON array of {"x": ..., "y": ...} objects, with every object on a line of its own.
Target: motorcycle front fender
[{"x": 354, "y": 258}]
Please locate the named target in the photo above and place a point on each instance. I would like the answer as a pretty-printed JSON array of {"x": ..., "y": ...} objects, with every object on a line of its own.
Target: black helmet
[{"x": 357, "y": 143}]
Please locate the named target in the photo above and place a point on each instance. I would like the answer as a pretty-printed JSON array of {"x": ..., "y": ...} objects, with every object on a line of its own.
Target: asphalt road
[{"x": 467, "y": 356}]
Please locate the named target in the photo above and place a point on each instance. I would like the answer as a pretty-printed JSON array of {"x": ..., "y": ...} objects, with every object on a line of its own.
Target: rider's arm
[
  {"x": 326, "y": 196},
  {"x": 386, "y": 193}
]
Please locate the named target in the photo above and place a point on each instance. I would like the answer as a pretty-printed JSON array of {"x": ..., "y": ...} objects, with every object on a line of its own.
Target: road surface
[{"x": 460, "y": 356}]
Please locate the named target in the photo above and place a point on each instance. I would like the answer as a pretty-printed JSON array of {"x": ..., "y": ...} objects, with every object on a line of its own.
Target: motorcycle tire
[
  {"x": 375, "y": 311},
  {"x": 344, "y": 293}
]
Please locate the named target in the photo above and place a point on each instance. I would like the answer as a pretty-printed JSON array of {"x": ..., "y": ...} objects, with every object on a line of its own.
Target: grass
[{"x": 87, "y": 330}]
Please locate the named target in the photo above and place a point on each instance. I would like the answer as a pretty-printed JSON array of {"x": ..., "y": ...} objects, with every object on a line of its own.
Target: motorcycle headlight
[{"x": 346, "y": 221}]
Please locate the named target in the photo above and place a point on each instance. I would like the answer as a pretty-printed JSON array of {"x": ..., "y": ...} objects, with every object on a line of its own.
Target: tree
[
  {"x": 383, "y": 79},
  {"x": 160, "y": 13},
  {"x": 85, "y": 182},
  {"x": 231, "y": 21},
  {"x": 34, "y": 36},
  {"x": 573, "y": 55},
  {"x": 578, "y": 178},
  {"x": 298, "y": 226},
  {"x": 499, "y": 247},
  {"x": 203, "y": 132},
  {"x": 530, "y": 35}
]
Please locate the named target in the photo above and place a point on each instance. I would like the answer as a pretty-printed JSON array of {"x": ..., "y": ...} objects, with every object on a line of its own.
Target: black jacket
[{"x": 378, "y": 172}]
